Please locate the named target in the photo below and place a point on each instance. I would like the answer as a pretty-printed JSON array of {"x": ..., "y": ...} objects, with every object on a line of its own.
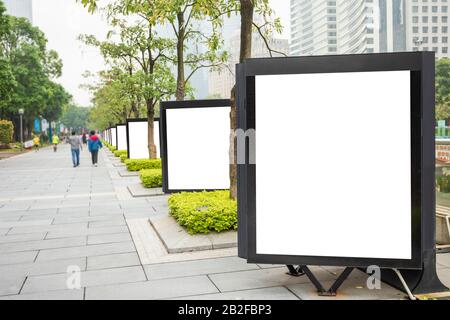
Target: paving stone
[
  {"x": 275, "y": 293},
  {"x": 42, "y": 244},
  {"x": 85, "y": 251},
  {"x": 116, "y": 221},
  {"x": 87, "y": 218},
  {"x": 17, "y": 257},
  {"x": 11, "y": 284},
  {"x": 176, "y": 239},
  {"x": 137, "y": 190},
  {"x": 86, "y": 232},
  {"x": 444, "y": 276},
  {"x": 262, "y": 278},
  {"x": 443, "y": 259},
  {"x": 4, "y": 231},
  {"x": 49, "y": 295},
  {"x": 22, "y": 237},
  {"x": 41, "y": 268},
  {"x": 26, "y": 223},
  {"x": 113, "y": 261},
  {"x": 197, "y": 267},
  {"x": 88, "y": 279},
  {"x": 156, "y": 289},
  {"x": 109, "y": 238},
  {"x": 50, "y": 228}
]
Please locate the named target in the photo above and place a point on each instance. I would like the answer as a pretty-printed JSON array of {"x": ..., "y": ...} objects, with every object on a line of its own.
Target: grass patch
[{"x": 203, "y": 212}]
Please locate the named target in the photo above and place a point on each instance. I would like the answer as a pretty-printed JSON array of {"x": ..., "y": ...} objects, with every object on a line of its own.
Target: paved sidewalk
[{"x": 55, "y": 218}]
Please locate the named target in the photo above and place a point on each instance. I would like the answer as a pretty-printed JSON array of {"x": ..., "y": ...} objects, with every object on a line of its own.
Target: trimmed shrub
[
  {"x": 124, "y": 157},
  {"x": 203, "y": 212},
  {"x": 151, "y": 178},
  {"x": 119, "y": 153},
  {"x": 6, "y": 132},
  {"x": 139, "y": 164}
]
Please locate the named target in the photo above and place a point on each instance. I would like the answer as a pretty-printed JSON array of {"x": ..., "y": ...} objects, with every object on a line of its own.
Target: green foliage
[
  {"x": 27, "y": 72},
  {"x": 75, "y": 117},
  {"x": 151, "y": 178},
  {"x": 203, "y": 212},
  {"x": 6, "y": 132},
  {"x": 443, "y": 89},
  {"x": 119, "y": 153},
  {"x": 139, "y": 164},
  {"x": 443, "y": 183},
  {"x": 124, "y": 157}
]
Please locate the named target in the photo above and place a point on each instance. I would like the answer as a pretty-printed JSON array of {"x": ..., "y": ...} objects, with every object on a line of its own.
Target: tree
[
  {"x": 27, "y": 70},
  {"x": 247, "y": 8},
  {"x": 140, "y": 43},
  {"x": 442, "y": 88},
  {"x": 187, "y": 19},
  {"x": 112, "y": 99},
  {"x": 75, "y": 116}
]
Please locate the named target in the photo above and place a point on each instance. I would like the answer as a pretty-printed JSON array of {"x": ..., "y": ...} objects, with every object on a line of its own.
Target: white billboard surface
[
  {"x": 197, "y": 148},
  {"x": 138, "y": 131},
  {"x": 121, "y": 137},
  {"x": 333, "y": 176},
  {"x": 113, "y": 137}
]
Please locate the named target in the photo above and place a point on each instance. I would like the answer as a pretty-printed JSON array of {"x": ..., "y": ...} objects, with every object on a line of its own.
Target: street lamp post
[{"x": 21, "y": 112}]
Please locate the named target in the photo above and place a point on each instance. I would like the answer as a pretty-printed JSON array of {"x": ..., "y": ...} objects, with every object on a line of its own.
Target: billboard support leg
[
  {"x": 405, "y": 285},
  {"x": 332, "y": 291},
  {"x": 295, "y": 271}
]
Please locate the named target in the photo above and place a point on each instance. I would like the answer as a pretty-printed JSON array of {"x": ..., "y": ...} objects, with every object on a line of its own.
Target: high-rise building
[
  {"x": 427, "y": 26},
  {"x": 364, "y": 26},
  {"x": 221, "y": 83},
  {"x": 20, "y": 8}
]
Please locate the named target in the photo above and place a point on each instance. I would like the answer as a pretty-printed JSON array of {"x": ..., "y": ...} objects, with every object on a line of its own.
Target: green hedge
[
  {"x": 203, "y": 212},
  {"x": 139, "y": 164},
  {"x": 124, "y": 157},
  {"x": 151, "y": 178},
  {"x": 119, "y": 153},
  {"x": 6, "y": 132}
]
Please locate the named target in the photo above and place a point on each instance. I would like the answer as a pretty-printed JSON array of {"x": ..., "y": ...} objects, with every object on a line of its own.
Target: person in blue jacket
[{"x": 94, "y": 145}]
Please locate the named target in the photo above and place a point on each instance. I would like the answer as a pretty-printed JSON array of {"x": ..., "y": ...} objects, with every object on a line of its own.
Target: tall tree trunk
[
  {"x": 181, "y": 85},
  {"x": 247, "y": 9},
  {"x": 151, "y": 129}
]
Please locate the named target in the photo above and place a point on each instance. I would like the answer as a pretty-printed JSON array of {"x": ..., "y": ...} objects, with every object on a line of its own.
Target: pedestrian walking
[
  {"x": 84, "y": 138},
  {"x": 55, "y": 141},
  {"x": 94, "y": 145},
  {"x": 75, "y": 146},
  {"x": 37, "y": 142}
]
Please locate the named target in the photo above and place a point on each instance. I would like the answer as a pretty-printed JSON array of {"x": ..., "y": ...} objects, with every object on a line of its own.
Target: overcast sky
[{"x": 63, "y": 20}]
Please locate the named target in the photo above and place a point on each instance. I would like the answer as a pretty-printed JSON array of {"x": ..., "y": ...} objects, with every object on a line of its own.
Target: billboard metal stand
[
  {"x": 264, "y": 81},
  {"x": 295, "y": 271},
  {"x": 332, "y": 291}
]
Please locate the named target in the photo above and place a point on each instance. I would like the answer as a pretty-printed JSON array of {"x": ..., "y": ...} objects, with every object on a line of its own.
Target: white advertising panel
[
  {"x": 197, "y": 148},
  {"x": 138, "y": 139},
  {"x": 328, "y": 184},
  {"x": 113, "y": 137},
  {"x": 121, "y": 137}
]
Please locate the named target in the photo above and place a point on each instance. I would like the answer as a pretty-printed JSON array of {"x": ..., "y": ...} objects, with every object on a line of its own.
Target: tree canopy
[{"x": 27, "y": 72}]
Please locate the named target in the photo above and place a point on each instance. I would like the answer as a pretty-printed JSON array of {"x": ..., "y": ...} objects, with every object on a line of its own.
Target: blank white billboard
[
  {"x": 113, "y": 137},
  {"x": 121, "y": 137},
  {"x": 333, "y": 175},
  {"x": 197, "y": 148},
  {"x": 138, "y": 139}
]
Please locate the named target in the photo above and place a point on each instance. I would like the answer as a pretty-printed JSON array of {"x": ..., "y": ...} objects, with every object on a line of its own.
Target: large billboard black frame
[
  {"x": 156, "y": 119},
  {"x": 421, "y": 65},
  {"x": 206, "y": 103},
  {"x": 117, "y": 136}
]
